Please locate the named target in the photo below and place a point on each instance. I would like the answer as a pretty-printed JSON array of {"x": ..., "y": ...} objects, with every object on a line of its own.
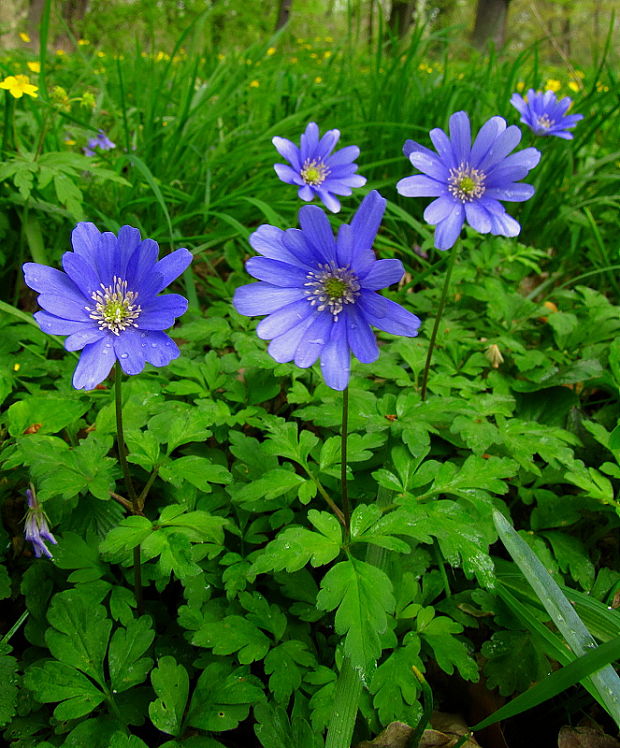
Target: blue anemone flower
[
  {"x": 106, "y": 301},
  {"x": 470, "y": 180},
  {"x": 544, "y": 114},
  {"x": 316, "y": 171},
  {"x": 100, "y": 141},
  {"x": 319, "y": 292}
]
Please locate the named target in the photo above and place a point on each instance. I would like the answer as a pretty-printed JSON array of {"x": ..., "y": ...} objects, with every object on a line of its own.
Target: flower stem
[
  {"x": 135, "y": 504},
  {"x": 442, "y": 303},
  {"x": 346, "y": 510},
  {"x": 346, "y": 699}
]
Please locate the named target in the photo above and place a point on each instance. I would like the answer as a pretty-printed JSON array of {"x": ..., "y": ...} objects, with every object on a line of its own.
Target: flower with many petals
[
  {"x": 18, "y": 85},
  {"x": 100, "y": 141},
  {"x": 320, "y": 292},
  {"x": 545, "y": 114},
  {"x": 36, "y": 527},
  {"x": 470, "y": 180},
  {"x": 316, "y": 170},
  {"x": 107, "y": 301}
]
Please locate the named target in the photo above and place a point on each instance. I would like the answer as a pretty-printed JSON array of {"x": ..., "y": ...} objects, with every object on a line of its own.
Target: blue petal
[
  {"x": 106, "y": 259},
  {"x": 85, "y": 239},
  {"x": 44, "y": 279},
  {"x": 314, "y": 339},
  {"x": 94, "y": 365},
  {"x": 87, "y": 334},
  {"x": 506, "y": 142},
  {"x": 382, "y": 274},
  {"x": 129, "y": 240},
  {"x": 504, "y": 225},
  {"x": 263, "y": 298},
  {"x": 513, "y": 193},
  {"x": 288, "y": 150},
  {"x": 300, "y": 251},
  {"x": 326, "y": 144},
  {"x": 343, "y": 156},
  {"x": 448, "y": 230},
  {"x": 443, "y": 147},
  {"x": 420, "y": 186},
  {"x": 129, "y": 351},
  {"x": 284, "y": 319},
  {"x": 142, "y": 264},
  {"x": 440, "y": 209},
  {"x": 158, "y": 348},
  {"x": 396, "y": 320},
  {"x": 288, "y": 174},
  {"x": 65, "y": 306},
  {"x": 318, "y": 232},
  {"x": 360, "y": 337},
  {"x": 460, "y": 136},
  {"x": 283, "y": 348},
  {"x": 309, "y": 142},
  {"x": 487, "y": 135},
  {"x": 366, "y": 222},
  {"x": 518, "y": 103},
  {"x": 336, "y": 359},
  {"x": 161, "y": 312},
  {"x": 171, "y": 266},
  {"x": 277, "y": 273},
  {"x": 477, "y": 217},
  {"x": 53, "y": 325},
  {"x": 81, "y": 272},
  {"x": 306, "y": 193},
  {"x": 329, "y": 201}
]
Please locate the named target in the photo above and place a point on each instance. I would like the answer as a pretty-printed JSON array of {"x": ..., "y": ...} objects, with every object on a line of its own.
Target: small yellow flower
[
  {"x": 221, "y": 57},
  {"x": 24, "y": 37},
  {"x": 254, "y": 84},
  {"x": 520, "y": 86},
  {"x": 318, "y": 79},
  {"x": 294, "y": 60},
  {"x": 271, "y": 51},
  {"x": 328, "y": 39},
  {"x": 100, "y": 53},
  {"x": 580, "y": 74},
  {"x": 327, "y": 54},
  {"x": 553, "y": 85},
  {"x": 83, "y": 42},
  {"x": 601, "y": 87},
  {"x": 17, "y": 367},
  {"x": 313, "y": 55},
  {"x": 69, "y": 141},
  {"x": 574, "y": 86},
  {"x": 35, "y": 67},
  {"x": 60, "y": 52},
  {"x": 18, "y": 85}
]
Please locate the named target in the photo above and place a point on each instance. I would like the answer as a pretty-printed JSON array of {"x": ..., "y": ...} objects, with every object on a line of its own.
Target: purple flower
[
  {"x": 106, "y": 301},
  {"x": 100, "y": 141},
  {"x": 470, "y": 180},
  {"x": 544, "y": 114},
  {"x": 320, "y": 292},
  {"x": 315, "y": 171},
  {"x": 36, "y": 528}
]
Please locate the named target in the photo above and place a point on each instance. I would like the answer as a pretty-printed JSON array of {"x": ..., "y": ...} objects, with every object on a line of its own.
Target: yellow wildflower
[
  {"x": 294, "y": 60},
  {"x": 271, "y": 51},
  {"x": 313, "y": 55},
  {"x": 18, "y": 85},
  {"x": 254, "y": 84},
  {"x": 328, "y": 39},
  {"x": 35, "y": 67},
  {"x": 17, "y": 367},
  {"x": 100, "y": 53},
  {"x": 69, "y": 141},
  {"x": 574, "y": 86},
  {"x": 220, "y": 57},
  {"x": 553, "y": 85},
  {"x": 520, "y": 86},
  {"x": 83, "y": 42},
  {"x": 24, "y": 37},
  {"x": 601, "y": 87},
  {"x": 580, "y": 74},
  {"x": 318, "y": 79},
  {"x": 60, "y": 52},
  {"x": 327, "y": 54}
]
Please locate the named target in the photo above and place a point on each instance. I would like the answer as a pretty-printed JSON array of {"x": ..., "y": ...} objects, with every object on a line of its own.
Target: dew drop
[
  {"x": 124, "y": 355},
  {"x": 153, "y": 345}
]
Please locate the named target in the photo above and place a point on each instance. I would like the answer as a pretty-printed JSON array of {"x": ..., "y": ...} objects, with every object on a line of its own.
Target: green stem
[
  {"x": 135, "y": 502},
  {"x": 346, "y": 700},
  {"x": 442, "y": 303},
  {"x": 346, "y": 509},
  {"x": 9, "y": 102},
  {"x": 328, "y": 499},
  {"x": 14, "y": 628}
]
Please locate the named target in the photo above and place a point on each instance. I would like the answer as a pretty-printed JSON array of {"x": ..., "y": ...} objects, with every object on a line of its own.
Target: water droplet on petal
[
  {"x": 153, "y": 345},
  {"x": 124, "y": 355}
]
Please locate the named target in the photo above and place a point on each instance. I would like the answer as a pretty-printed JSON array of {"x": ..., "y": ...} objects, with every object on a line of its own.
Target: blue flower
[
  {"x": 106, "y": 301},
  {"x": 36, "y": 528},
  {"x": 544, "y": 114},
  {"x": 100, "y": 141},
  {"x": 470, "y": 180},
  {"x": 315, "y": 171},
  {"x": 320, "y": 292}
]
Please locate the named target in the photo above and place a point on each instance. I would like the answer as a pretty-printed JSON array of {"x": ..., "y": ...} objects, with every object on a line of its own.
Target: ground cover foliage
[{"x": 254, "y": 598}]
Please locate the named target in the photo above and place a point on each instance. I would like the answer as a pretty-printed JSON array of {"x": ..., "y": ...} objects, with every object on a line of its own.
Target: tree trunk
[
  {"x": 491, "y": 16},
  {"x": 401, "y": 14},
  {"x": 284, "y": 12}
]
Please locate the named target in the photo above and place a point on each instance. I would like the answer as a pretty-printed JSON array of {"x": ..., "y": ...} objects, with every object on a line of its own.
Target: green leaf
[
  {"x": 121, "y": 740},
  {"x": 223, "y": 697},
  {"x": 198, "y": 471},
  {"x": 131, "y": 532},
  {"x": 513, "y": 662},
  {"x": 270, "y": 485},
  {"x": 79, "y": 634},
  {"x": 572, "y": 556},
  {"x": 233, "y": 634},
  {"x": 449, "y": 651},
  {"x": 56, "y": 681},
  {"x": 362, "y": 594},
  {"x": 285, "y": 664},
  {"x": 591, "y": 481},
  {"x": 171, "y": 684},
  {"x": 8, "y": 692},
  {"x": 293, "y": 548},
  {"x": 198, "y": 526},
  {"x": 126, "y": 665},
  {"x": 52, "y": 413},
  {"x": 395, "y": 687},
  {"x": 285, "y": 442}
]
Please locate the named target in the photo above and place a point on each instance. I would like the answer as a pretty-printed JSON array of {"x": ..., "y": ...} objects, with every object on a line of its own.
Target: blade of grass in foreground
[{"x": 561, "y": 611}]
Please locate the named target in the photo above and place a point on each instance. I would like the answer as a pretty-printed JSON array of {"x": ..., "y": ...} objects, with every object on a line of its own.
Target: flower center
[
  {"x": 545, "y": 122},
  {"x": 314, "y": 172},
  {"x": 466, "y": 183},
  {"x": 115, "y": 307},
  {"x": 331, "y": 287}
]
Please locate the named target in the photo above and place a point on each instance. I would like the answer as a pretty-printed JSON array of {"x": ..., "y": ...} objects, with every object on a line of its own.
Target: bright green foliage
[
  {"x": 171, "y": 684},
  {"x": 363, "y": 597},
  {"x": 8, "y": 692},
  {"x": 513, "y": 662}
]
